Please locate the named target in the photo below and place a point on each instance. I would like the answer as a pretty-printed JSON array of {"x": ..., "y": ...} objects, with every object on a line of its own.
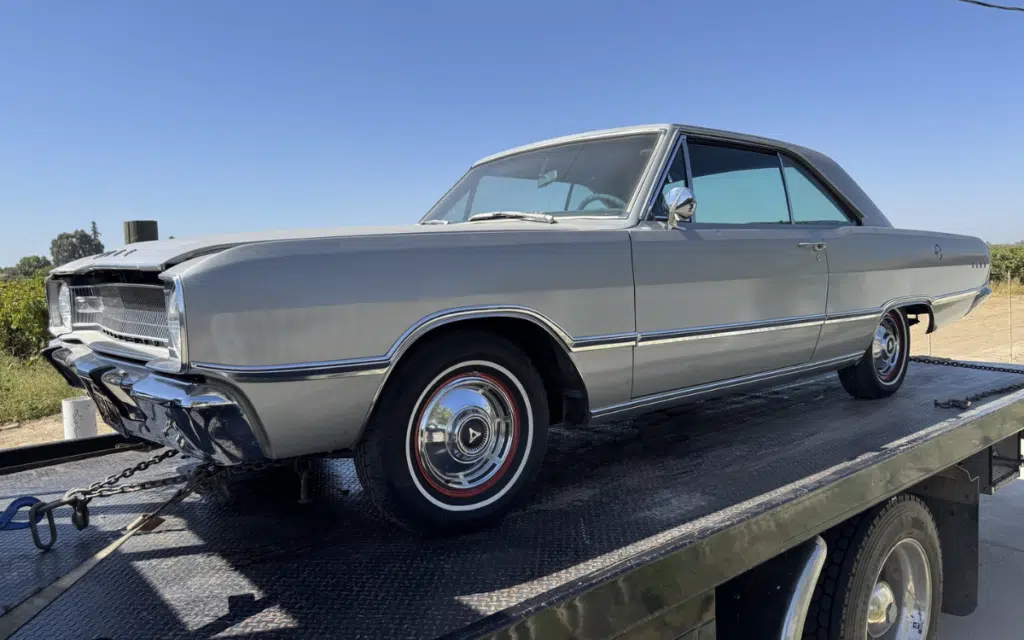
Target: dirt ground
[
  {"x": 987, "y": 334},
  {"x": 48, "y": 429}
]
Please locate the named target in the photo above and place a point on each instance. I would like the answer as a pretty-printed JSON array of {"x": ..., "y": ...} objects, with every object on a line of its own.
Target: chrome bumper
[
  {"x": 193, "y": 416},
  {"x": 980, "y": 299}
]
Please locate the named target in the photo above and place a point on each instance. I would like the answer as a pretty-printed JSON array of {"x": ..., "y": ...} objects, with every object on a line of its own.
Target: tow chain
[
  {"x": 79, "y": 498},
  {"x": 964, "y": 404},
  {"x": 200, "y": 478}
]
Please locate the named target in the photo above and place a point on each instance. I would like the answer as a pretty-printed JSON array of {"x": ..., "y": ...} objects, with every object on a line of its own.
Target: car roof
[{"x": 826, "y": 168}]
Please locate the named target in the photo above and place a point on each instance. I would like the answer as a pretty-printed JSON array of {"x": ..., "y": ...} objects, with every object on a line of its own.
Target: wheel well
[
  {"x": 567, "y": 395},
  {"x": 918, "y": 309}
]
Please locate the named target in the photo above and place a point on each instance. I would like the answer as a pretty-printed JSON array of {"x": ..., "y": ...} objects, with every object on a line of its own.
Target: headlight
[
  {"x": 59, "y": 306},
  {"x": 64, "y": 304}
]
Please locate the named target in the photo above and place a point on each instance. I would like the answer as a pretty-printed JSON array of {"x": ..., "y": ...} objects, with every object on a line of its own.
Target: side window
[
  {"x": 811, "y": 205},
  {"x": 737, "y": 186}
]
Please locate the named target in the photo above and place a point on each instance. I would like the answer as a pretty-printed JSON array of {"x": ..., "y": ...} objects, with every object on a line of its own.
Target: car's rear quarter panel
[
  {"x": 871, "y": 267},
  {"x": 305, "y": 301}
]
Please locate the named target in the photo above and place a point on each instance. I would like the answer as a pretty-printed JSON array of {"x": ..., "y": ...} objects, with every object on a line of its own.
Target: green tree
[
  {"x": 30, "y": 266},
  {"x": 68, "y": 247}
]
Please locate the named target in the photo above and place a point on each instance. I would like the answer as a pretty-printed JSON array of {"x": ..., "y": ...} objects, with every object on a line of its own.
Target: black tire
[
  {"x": 857, "y": 550},
  {"x": 392, "y": 465},
  {"x": 864, "y": 380}
]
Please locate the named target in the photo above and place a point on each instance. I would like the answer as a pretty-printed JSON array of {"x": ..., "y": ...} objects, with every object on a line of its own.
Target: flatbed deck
[{"x": 628, "y": 520}]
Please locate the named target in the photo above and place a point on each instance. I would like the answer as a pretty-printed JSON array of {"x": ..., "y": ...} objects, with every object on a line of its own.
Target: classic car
[{"x": 565, "y": 282}]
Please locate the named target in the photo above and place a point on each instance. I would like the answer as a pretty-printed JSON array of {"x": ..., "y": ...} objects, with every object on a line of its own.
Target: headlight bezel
[{"x": 177, "y": 343}]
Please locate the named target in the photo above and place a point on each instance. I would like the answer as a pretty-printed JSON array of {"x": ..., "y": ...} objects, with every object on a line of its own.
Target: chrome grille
[{"x": 131, "y": 312}]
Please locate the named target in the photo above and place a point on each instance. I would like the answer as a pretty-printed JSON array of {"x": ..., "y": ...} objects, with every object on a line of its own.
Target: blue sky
[{"x": 232, "y": 115}]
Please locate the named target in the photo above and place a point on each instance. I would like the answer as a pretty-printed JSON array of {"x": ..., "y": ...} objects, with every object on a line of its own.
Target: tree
[
  {"x": 94, "y": 231},
  {"x": 68, "y": 247},
  {"x": 30, "y": 266}
]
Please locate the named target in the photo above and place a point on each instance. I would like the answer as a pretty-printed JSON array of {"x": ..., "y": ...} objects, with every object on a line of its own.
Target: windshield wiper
[
  {"x": 546, "y": 218},
  {"x": 434, "y": 221}
]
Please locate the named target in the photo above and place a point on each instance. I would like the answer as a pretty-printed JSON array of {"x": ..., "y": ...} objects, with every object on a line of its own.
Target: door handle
[{"x": 813, "y": 246}]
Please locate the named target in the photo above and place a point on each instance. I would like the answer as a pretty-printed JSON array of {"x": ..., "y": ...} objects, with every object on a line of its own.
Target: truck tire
[
  {"x": 881, "y": 371},
  {"x": 458, "y": 433},
  {"x": 861, "y": 590}
]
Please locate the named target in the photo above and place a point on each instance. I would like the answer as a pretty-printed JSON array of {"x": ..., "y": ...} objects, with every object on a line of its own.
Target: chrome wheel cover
[
  {"x": 465, "y": 434},
  {"x": 887, "y": 349},
  {"x": 900, "y": 603}
]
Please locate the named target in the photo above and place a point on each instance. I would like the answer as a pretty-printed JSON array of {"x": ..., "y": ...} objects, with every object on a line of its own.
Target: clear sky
[{"x": 249, "y": 115}]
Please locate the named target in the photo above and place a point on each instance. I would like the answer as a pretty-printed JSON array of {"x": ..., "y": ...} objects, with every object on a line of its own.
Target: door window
[
  {"x": 811, "y": 205},
  {"x": 737, "y": 186}
]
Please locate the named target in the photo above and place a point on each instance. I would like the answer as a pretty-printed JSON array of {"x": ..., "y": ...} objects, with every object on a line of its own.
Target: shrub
[
  {"x": 23, "y": 317},
  {"x": 1007, "y": 262}
]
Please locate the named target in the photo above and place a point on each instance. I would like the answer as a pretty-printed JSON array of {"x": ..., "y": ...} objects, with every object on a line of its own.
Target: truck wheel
[
  {"x": 883, "y": 577},
  {"x": 458, "y": 434},
  {"x": 881, "y": 371}
]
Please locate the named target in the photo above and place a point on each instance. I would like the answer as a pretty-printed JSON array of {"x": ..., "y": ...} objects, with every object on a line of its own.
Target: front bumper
[{"x": 198, "y": 418}]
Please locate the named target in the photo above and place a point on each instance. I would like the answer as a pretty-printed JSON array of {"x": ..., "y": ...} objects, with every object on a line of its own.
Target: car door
[{"x": 739, "y": 290}]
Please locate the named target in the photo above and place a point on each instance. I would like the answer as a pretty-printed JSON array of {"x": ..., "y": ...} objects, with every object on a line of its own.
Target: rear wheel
[
  {"x": 458, "y": 434},
  {"x": 881, "y": 371},
  {"x": 882, "y": 579}
]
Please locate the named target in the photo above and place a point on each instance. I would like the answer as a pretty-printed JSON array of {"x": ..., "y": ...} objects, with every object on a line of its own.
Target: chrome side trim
[
  {"x": 953, "y": 297},
  {"x": 686, "y": 392},
  {"x": 737, "y": 329},
  {"x": 853, "y": 316},
  {"x": 381, "y": 365},
  {"x": 612, "y": 341},
  {"x": 803, "y": 590}
]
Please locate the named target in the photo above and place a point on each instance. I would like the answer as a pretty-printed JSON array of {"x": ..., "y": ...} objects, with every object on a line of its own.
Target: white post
[{"x": 79, "y": 417}]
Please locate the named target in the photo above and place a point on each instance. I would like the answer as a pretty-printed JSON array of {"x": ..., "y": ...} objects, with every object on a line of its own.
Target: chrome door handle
[{"x": 814, "y": 246}]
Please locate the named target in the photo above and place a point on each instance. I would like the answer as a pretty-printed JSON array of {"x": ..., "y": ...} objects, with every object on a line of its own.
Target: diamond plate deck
[{"x": 265, "y": 565}]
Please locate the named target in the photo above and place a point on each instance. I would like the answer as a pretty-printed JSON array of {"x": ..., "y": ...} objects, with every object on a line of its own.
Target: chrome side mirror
[{"x": 681, "y": 206}]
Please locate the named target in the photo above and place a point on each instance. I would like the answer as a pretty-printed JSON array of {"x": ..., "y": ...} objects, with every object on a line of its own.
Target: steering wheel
[{"x": 606, "y": 198}]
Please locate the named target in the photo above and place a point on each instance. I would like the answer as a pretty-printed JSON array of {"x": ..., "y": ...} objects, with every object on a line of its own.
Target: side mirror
[{"x": 681, "y": 206}]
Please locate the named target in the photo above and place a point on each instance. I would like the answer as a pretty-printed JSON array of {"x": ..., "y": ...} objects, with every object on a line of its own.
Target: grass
[
  {"x": 30, "y": 389},
  {"x": 1004, "y": 288}
]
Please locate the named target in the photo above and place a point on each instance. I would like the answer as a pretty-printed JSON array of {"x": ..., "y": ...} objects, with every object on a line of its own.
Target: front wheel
[
  {"x": 458, "y": 434},
  {"x": 881, "y": 371}
]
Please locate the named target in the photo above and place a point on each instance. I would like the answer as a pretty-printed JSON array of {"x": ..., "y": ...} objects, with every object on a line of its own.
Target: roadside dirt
[{"x": 48, "y": 429}]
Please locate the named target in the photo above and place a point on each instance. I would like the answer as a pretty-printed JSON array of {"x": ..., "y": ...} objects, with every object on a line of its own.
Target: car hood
[{"x": 158, "y": 255}]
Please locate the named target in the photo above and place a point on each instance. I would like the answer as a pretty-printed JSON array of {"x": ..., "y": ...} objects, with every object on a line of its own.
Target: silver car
[{"x": 571, "y": 281}]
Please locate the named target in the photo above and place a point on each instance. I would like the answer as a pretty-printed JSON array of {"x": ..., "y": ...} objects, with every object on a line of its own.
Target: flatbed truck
[{"x": 794, "y": 512}]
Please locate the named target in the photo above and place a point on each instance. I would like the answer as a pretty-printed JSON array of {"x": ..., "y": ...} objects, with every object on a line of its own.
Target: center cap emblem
[{"x": 473, "y": 435}]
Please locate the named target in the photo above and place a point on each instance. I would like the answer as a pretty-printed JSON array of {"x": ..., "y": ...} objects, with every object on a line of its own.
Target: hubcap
[
  {"x": 882, "y": 610},
  {"x": 900, "y": 604},
  {"x": 465, "y": 434},
  {"x": 886, "y": 349}
]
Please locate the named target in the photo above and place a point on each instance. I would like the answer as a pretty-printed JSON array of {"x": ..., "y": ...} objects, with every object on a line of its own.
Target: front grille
[{"x": 130, "y": 312}]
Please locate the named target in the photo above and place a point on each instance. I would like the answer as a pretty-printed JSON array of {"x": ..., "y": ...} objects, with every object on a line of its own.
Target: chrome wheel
[
  {"x": 887, "y": 348},
  {"x": 465, "y": 434},
  {"x": 900, "y": 604}
]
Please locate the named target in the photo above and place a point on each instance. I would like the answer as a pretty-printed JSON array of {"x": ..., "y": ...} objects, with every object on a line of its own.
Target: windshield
[{"x": 591, "y": 178}]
